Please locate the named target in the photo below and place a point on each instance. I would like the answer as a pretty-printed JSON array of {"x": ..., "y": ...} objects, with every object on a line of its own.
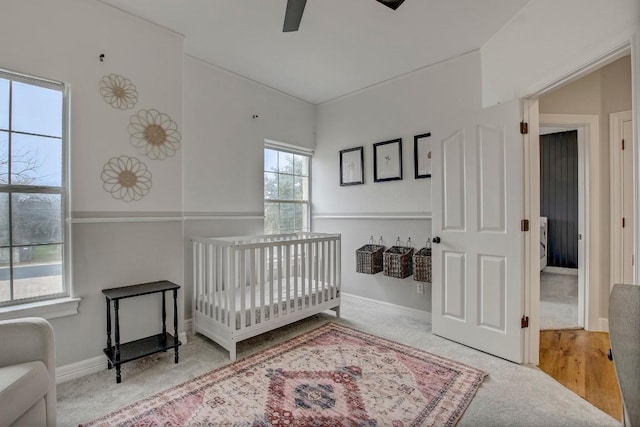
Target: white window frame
[
  {"x": 59, "y": 304},
  {"x": 292, "y": 149}
]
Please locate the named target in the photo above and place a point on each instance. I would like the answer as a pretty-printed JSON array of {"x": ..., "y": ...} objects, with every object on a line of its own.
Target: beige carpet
[
  {"x": 558, "y": 301},
  {"x": 511, "y": 395}
]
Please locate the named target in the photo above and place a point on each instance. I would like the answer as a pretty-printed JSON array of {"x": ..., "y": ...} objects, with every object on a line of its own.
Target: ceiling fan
[{"x": 295, "y": 8}]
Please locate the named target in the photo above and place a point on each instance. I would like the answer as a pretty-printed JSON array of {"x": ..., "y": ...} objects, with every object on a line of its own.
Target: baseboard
[
  {"x": 90, "y": 366},
  {"x": 188, "y": 325},
  {"x": 561, "y": 270},
  {"x": 601, "y": 326},
  {"x": 382, "y": 305},
  {"x": 80, "y": 369}
]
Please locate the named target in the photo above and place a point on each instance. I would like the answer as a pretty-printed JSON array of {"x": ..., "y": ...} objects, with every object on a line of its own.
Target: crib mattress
[{"x": 296, "y": 301}]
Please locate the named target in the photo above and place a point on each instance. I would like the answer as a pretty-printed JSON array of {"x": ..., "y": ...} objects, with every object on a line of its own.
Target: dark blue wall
[{"x": 559, "y": 196}]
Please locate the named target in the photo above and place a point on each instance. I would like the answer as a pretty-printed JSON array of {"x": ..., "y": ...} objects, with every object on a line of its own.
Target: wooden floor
[{"x": 578, "y": 360}]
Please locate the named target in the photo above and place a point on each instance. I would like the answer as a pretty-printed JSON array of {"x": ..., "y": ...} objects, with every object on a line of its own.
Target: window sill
[{"x": 50, "y": 309}]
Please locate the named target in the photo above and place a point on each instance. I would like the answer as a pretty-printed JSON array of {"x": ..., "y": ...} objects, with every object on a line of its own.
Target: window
[
  {"x": 286, "y": 191},
  {"x": 32, "y": 189}
]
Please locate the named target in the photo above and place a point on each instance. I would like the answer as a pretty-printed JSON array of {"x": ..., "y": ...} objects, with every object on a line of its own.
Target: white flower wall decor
[
  {"x": 119, "y": 92},
  {"x": 154, "y": 134},
  {"x": 126, "y": 178}
]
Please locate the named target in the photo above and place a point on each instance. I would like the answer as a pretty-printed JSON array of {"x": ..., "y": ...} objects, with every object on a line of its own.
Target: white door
[{"x": 477, "y": 199}]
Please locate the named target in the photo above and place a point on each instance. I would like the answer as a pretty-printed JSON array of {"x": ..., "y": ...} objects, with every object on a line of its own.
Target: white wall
[
  {"x": 62, "y": 41},
  {"x": 550, "y": 39},
  {"x": 400, "y": 108},
  {"x": 224, "y": 151}
]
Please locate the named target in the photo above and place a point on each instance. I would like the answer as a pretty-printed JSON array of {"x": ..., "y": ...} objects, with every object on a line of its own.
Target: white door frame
[
  {"x": 531, "y": 198},
  {"x": 588, "y": 143},
  {"x": 615, "y": 185}
]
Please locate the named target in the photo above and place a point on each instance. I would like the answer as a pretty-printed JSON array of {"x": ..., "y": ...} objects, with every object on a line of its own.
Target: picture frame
[
  {"x": 352, "y": 166},
  {"x": 387, "y": 160},
  {"x": 422, "y": 155}
]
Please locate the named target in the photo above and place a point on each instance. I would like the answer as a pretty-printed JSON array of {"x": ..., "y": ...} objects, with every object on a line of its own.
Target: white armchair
[{"x": 27, "y": 373}]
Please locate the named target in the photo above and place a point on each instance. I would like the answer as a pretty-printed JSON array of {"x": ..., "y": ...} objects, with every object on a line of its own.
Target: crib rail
[{"x": 250, "y": 282}]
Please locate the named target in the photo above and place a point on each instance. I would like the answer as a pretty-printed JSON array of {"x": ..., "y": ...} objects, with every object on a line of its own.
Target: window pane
[
  {"x": 37, "y": 271},
  {"x": 36, "y": 160},
  {"x": 287, "y": 217},
  {"x": 4, "y": 219},
  {"x": 301, "y": 165},
  {"x": 270, "y": 160},
  {"x": 299, "y": 218},
  {"x": 285, "y": 187},
  {"x": 285, "y": 162},
  {"x": 271, "y": 217},
  {"x": 37, "y": 218},
  {"x": 4, "y": 157},
  {"x": 36, "y": 110},
  {"x": 301, "y": 188},
  {"x": 270, "y": 185},
  {"x": 5, "y": 275},
  {"x": 4, "y": 104}
]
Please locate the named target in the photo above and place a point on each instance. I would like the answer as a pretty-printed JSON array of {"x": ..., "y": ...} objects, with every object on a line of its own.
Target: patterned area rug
[{"x": 331, "y": 376}]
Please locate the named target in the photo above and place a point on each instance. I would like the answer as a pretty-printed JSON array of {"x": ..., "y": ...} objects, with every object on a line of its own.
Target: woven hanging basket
[
  {"x": 398, "y": 262},
  {"x": 369, "y": 259},
  {"x": 422, "y": 265}
]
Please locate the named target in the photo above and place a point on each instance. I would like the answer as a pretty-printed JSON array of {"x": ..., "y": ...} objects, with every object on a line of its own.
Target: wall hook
[
  {"x": 255, "y": 116},
  {"x": 102, "y": 57}
]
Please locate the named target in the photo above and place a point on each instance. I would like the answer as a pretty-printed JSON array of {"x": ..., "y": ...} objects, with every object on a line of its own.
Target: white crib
[{"x": 245, "y": 286}]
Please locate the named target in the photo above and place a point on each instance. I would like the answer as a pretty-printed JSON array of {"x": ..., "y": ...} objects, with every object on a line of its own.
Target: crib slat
[
  {"x": 316, "y": 267},
  {"x": 287, "y": 260},
  {"x": 303, "y": 276},
  {"x": 207, "y": 281},
  {"x": 262, "y": 283},
  {"x": 230, "y": 286},
  {"x": 215, "y": 283},
  {"x": 252, "y": 284},
  {"x": 197, "y": 281},
  {"x": 333, "y": 263},
  {"x": 280, "y": 272},
  {"x": 295, "y": 277},
  {"x": 271, "y": 281},
  {"x": 242, "y": 283}
]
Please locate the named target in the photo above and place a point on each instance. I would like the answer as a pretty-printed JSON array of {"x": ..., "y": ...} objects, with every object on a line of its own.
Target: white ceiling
[{"x": 342, "y": 45}]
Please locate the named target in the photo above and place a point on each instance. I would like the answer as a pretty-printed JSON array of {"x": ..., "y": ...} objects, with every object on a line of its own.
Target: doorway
[
  {"x": 562, "y": 177},
  {"x": 594, "y": 77}
]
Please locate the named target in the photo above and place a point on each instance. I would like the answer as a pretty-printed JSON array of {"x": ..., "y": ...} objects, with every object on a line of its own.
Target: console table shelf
[{"x": 125, "y": 352}]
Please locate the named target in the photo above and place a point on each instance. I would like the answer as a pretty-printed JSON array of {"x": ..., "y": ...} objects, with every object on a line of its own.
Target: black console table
[{"x": 121, "y": 353}]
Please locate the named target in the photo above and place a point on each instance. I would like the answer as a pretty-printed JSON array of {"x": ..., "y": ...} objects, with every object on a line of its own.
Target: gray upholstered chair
[{"x": 27, "y": 373}]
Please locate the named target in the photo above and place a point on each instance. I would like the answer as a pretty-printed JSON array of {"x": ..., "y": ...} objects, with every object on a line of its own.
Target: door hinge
[
  {"x": 524, "y": 128},
  {"x": 524, "y": 225},
  {"x": 623, "y": 144},
  {"x": 524, "y": 322},
  {"x": 623, "y": 222}
]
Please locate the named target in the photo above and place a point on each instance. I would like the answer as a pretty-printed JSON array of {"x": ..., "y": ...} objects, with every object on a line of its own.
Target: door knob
[{"x": 436, "y": 239}]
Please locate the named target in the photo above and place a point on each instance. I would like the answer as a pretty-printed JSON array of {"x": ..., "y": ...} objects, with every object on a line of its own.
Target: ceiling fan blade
[
  {"x": 393, "y": 4},
  {"x": 293, "y": 15}
]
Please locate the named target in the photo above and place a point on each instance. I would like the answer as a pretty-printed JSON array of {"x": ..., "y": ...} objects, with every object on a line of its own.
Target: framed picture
[
  {"x": 422, "y": 155},
  {"x": 352, "y": 166},
  {"x": 387, "y": 160}
]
